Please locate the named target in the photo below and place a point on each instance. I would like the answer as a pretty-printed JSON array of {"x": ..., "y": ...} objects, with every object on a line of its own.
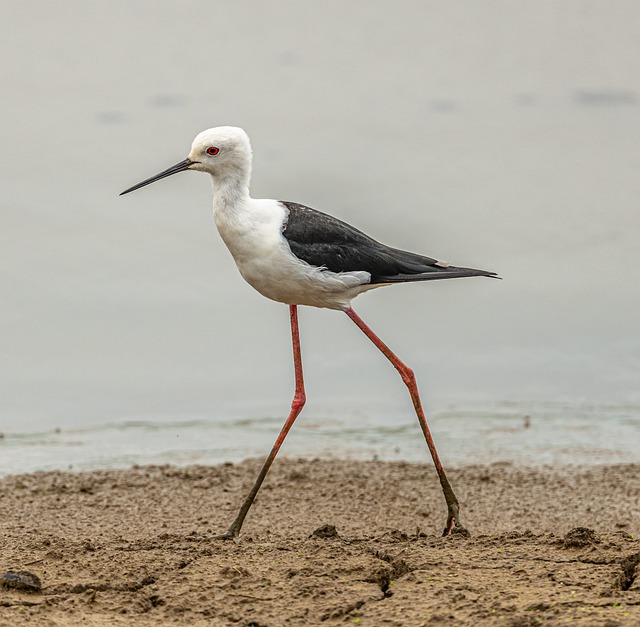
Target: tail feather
[{"x": 452, "y": 272}]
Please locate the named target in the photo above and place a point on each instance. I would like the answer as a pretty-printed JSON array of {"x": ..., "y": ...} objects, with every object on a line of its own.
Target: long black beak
[{"x": 174, "y": 169}]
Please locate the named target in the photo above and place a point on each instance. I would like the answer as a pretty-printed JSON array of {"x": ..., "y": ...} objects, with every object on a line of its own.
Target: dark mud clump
[{"x": 579, "y": 537}]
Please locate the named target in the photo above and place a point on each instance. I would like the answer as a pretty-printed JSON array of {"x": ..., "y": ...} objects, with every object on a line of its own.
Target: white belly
[{"x": 253, "y": 234}]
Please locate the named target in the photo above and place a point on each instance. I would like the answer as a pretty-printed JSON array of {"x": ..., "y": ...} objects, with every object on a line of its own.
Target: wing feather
[{"x": 324, "y": 241}]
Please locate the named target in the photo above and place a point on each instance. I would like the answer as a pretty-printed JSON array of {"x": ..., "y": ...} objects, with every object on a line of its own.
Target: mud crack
[
  {"x": 385, "y": 574},
  {"x": 630, "y": 566}
]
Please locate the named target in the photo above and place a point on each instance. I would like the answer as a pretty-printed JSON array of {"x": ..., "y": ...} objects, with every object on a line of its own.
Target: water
[
  {"x": 510, "y": 432},
  {"x": 495, "y": 136}
]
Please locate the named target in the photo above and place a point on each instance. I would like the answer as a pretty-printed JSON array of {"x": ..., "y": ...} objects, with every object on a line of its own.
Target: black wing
[{"x": 324, "y": 241}]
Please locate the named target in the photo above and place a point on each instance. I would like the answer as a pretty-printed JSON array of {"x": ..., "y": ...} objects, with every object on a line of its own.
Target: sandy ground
[{"x": 136, "y": 547}]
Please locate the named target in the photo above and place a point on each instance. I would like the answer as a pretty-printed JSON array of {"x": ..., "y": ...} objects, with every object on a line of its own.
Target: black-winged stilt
[{"x": 299, "y": 256}]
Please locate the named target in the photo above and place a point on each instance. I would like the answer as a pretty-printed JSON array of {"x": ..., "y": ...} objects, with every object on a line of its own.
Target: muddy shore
[{"x": 547, "y": 546}]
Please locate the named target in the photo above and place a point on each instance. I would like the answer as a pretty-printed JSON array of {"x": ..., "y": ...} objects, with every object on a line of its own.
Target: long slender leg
[
  {"x": 297, "y": 404},
  {"x": 410, "y": 381}
]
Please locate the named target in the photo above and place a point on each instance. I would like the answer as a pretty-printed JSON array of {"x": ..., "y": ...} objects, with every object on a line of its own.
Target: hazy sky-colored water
[{"x": 500, "y": 135}]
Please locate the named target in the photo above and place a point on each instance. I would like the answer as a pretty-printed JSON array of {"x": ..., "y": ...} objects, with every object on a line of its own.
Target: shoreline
[{"x": 112, "y": 546}]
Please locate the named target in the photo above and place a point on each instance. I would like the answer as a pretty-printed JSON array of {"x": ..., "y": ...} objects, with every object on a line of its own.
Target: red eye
[{"x": 213, "y": 150}]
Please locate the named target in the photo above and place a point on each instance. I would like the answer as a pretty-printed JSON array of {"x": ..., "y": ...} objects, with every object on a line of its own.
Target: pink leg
[
  {"x": 410, "y": 381},
  {"x": 299, "y": 400}
]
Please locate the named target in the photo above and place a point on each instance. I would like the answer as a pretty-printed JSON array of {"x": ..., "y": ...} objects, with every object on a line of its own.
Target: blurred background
[{"x": 500, "y": 135}]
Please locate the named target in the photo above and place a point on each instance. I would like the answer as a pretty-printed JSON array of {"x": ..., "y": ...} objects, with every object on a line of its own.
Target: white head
[
  {"x": 224, "y": 152},
  {"x": 220, "y": 150}
]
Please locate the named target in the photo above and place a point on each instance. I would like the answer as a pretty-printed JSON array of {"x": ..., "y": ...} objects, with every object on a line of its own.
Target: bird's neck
[{"x": 230, "y": 191}]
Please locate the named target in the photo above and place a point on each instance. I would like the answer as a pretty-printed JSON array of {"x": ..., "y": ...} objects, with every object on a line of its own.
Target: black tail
[{"x": 452, "y": 272}]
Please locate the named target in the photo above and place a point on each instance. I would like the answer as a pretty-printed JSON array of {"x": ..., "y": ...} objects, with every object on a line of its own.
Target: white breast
[{"x": 252, "y": 231}]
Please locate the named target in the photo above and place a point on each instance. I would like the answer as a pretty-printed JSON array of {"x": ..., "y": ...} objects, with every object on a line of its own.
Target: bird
[{"x": 296, "y": 255}]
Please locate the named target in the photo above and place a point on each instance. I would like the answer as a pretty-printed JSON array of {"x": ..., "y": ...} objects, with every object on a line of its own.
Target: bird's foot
[
  {"x": 227, "y": 535},
  {"x": 231, "y": 534},
  {"x": 454, "y": 526}
]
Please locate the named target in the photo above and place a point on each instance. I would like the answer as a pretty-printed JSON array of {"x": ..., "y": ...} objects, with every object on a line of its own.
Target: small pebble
[{"x": 21, "y": 580}]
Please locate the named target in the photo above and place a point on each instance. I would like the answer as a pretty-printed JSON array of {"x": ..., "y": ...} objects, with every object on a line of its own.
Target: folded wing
[{"x": 324, "y": 241}]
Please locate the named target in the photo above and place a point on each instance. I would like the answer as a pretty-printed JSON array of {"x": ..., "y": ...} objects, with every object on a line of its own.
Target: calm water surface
[{"x": 534, "y": 435}]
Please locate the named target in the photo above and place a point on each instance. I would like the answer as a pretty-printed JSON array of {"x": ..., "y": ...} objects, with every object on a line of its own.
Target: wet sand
[{"x": 136, "y": 547}]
